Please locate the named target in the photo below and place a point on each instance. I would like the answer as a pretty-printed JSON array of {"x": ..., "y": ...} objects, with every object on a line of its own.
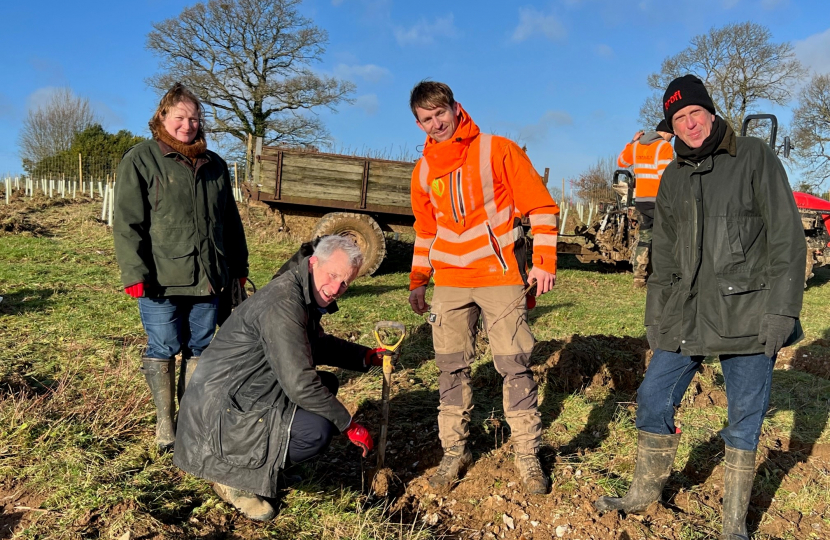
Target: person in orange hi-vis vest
[
  {"x": 467, "y": 192},
  {"x": 647, "y": 154}
]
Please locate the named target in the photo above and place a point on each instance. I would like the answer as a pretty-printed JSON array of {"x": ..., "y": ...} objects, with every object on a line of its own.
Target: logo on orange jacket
[{"x": 438, "y": 187}]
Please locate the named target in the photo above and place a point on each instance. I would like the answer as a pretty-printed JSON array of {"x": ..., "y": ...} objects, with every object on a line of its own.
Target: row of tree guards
[{"x": 89, "y": 177}]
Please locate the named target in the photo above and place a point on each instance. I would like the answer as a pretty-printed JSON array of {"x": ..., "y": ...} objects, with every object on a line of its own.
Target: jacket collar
[
  {"x": 305, "y": 280},
  {"x": 445, "y": 157}
]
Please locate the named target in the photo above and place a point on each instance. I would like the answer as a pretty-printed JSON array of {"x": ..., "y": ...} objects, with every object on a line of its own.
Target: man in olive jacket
[
  {"x": 728, "y": 256},
  {"x": 256, "y": 403}
]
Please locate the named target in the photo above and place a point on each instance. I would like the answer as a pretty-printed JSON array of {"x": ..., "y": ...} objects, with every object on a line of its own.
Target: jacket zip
[
  {"x": 494, "y": 245},
  {"x": 460, "y": 194},
  {"x": 452, "y": 200}
]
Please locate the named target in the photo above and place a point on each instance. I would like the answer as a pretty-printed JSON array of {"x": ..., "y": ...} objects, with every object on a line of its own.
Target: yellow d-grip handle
[{"x": 389, "y": 325}]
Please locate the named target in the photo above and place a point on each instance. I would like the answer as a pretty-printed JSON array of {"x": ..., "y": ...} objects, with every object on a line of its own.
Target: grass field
[{"x": 77, "y": 458}]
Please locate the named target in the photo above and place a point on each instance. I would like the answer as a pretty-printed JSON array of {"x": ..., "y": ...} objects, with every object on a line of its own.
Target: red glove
[
  {"x": 359, "y": 436},
  {"x": 243, "y": 281},
  {"x": 531, "y": 300},
  {"x": 374, "y": 357},
  {"x": 136, "y": 291}
]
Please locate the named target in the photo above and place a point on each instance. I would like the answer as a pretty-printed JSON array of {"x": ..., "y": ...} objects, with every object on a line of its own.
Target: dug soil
[{"x": 490, "y": 502}]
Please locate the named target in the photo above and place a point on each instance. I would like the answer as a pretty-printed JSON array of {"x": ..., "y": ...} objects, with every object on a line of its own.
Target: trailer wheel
[{"x": 361, "y": 228}]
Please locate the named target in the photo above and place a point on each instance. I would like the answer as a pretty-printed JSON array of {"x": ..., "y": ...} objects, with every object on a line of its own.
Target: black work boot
[
  {"x": 655, "y": 456},
  {"x": 161, "y": 378},
  {"x": 454, "y": 463},
  {"x": 185, "y": 373},
  {"x": 530, "y": 471},
  {"x": 737, "y": 487}
]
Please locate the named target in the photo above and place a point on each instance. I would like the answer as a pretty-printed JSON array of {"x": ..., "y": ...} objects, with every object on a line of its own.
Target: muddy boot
[
  {"x": 737, "y": 488},
  {"x": 655, "y": 456},
  {"x": 185, "y": 373},
  {"x": 249, "y": 505},
  {"x": 161, "y": 378},
  {"x": 530, "y": 470},
  {"x": 454, "y": 463},
  {"x": 640, "y": 264}
]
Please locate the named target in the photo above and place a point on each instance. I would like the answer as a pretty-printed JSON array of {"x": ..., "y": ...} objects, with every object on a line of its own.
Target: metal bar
[
  {"x": 365, "y": 186},
  {"x": 278, "y": 187}
]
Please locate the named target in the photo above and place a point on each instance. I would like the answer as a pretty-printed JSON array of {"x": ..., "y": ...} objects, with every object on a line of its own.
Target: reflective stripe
[
  {"x": 648, "y": 176},
  {"x": 473, "y": 232},
  {"x": 510, "y": 237},
  {"x": 486, "y": 173},
  {"x": 545, "y": 240},
  {"x": 646, "y": 199},
  {"x": 421, "y": 261},
  {"x": 423, "y": 242},
  {"x": 461, "y": 260},
  {"x": 664, "y": 162},
  {"x": 424, "y": 175},
  {"x": 537, "y": 220}
]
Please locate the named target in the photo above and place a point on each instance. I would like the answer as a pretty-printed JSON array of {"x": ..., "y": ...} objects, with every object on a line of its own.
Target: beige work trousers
[{"x": 454, "y": 316}]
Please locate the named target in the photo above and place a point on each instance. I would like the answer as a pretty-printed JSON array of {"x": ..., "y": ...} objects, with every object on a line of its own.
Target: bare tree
[
  {"x": 49, "y": 129},
  {"x": 594, "y": 184},
  {"x": 249, "y": 61},
  {"x": 811, "y": 129},
  {"x": 740, "y": 66}
]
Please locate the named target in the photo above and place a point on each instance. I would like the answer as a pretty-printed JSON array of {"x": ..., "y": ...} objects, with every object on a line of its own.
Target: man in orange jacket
[
  {"x": 467, "y": 193},
  {"x": 647, "y": 154}
]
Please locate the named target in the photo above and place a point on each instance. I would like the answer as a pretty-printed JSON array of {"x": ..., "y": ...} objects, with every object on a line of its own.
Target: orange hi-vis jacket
[
  {"x": 648, "y": 161},
  {"x": 467, "y": 194}
]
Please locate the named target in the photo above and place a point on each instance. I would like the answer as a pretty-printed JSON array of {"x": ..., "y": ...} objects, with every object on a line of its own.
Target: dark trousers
[{"x": 311, "y": 434}]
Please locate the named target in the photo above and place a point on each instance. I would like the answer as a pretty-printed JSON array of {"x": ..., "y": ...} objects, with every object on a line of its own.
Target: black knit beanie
[
  {"x": 684, "y": 91},
  {"x": 663, "y": 126}
]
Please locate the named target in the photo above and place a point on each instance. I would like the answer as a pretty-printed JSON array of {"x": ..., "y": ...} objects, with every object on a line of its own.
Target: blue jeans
[
  {"x": 748, "y": 379},
  {"x": 178, "y": 324}
]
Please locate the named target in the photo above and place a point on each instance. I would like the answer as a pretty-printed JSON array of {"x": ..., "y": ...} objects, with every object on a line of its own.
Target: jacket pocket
[
  {"x": 175, "y": 264},
  {"x": 240, "y": 438},
  {"x": 672, "y": 311},
  {"x": 742, "y": 301}
]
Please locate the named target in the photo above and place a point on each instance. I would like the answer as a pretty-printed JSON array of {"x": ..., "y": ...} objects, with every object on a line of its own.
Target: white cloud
[
  {"x": 603, "y": 50},
  {"x": 368, "y": 72},
  {"x": 41, "y": 97},
  {"x": 533, "y": 21},
  {"x": 536, "y": 132},
  {"x": 368, "y": 102},
  {"x": 427, "y": 33},
  {"x": 812, "y": 52}
]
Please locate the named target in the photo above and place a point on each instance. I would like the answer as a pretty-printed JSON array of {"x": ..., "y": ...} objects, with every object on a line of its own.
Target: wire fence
[{"x": 87, "y": 177}]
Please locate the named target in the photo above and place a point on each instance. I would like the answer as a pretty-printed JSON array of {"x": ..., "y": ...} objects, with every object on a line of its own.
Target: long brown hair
[{"x": 177, "y": 94}]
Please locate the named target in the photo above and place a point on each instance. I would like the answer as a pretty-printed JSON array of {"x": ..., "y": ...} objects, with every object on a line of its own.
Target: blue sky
[{"x": 565, "y": 77}]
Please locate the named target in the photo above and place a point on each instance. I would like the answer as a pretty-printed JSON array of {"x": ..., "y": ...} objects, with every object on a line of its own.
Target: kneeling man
[{"x": 256, "y": 403}]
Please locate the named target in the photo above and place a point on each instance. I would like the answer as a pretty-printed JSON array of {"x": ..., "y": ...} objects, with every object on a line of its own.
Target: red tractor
[{"x": 815, "y": 212}]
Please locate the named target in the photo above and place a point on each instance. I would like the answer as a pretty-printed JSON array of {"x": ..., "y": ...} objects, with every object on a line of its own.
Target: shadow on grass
[
  {"x": 810, "y": 416},
  {"x": 24, "y": 301},
  {"x": 566, "y": 261},
  {"x": 8, "y": 524},
  {"x": 607, "y": 368},
  {"x": 398, "y": 257}
]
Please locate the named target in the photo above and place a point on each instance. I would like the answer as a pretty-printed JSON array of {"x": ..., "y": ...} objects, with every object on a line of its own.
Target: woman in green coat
[{"x": 179, "y": 242}]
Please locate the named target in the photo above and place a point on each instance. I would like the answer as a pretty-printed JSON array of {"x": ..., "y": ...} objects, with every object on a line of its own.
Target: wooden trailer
[{"x": 354, "y": 196}]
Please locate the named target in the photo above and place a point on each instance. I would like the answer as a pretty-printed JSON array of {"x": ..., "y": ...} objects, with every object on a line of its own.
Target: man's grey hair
[{"x": 329, "y": 244}]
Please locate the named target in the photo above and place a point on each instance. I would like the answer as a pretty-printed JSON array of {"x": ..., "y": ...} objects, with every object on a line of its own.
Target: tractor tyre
[{"x": 363, "y": 230}]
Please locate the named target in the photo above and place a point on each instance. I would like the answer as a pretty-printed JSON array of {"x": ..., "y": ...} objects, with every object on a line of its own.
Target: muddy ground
[{"x": 489, "y": 503}]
